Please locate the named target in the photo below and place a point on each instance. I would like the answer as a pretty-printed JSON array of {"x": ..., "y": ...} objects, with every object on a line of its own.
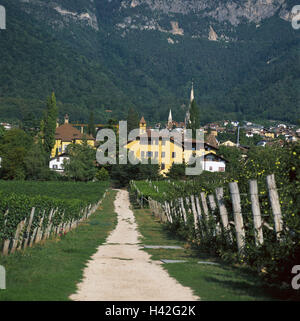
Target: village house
[
  {"x": 67, "y": 134},
  {"x": 165, "y": 150},
  {"x": 214, "y": 163},
  {"x": 229, "y": 143},
  {"x": 57, "y": 163},
  {"x": 7, "y": 126}
]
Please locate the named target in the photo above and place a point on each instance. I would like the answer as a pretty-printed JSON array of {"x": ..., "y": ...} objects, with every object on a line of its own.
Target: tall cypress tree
[
  {"x": 49, "y": 124},
  {"x": 91, "y": 126},
  {"x": 194, "y": 118}
]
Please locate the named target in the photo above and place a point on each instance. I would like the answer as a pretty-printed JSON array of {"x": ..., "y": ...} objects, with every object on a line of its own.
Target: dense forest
[{"x": 253, "y": 76}]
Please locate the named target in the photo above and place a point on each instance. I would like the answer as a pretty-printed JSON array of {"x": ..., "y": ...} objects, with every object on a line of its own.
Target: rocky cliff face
[
  {"x": 241, "y": 54},
  {"x": 148, "y": 14},
  {"x": 233, "y": 11},
  {"x": 61, "y": 13},
  {"x": 195, "y": 17}
]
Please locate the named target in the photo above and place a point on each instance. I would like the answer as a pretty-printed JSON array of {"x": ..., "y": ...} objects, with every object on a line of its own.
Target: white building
[
  {"x": 57, "y": 163},
  {"x": 282, "y": 125},
  {"x": 6, "y": 126},
  {"x": 214, "y": 163}
]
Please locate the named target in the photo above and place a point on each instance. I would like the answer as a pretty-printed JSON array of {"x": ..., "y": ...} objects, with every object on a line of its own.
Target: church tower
[
  {"x": 170, "y": 121},
  {"x": 143, "y": 125},
  {"x": 192, "y": 93},
  {"x": 187, "y": 117}
]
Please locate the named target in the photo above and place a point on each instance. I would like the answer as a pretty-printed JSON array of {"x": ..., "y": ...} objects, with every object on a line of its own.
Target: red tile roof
[{"x": 68, "y": 133}]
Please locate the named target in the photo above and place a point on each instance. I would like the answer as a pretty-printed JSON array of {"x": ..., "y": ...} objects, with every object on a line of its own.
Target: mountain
[{"x": 100, "y": 55}]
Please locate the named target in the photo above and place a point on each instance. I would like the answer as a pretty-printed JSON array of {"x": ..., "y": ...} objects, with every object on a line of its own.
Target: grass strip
[
  {"x": 209, "y": 282},
  {"x": 51, "y": 271}
]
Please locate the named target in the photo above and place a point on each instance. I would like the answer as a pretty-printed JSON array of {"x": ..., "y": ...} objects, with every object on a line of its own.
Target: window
[
  {"x": 154, "y": 141},
  {"x": 149, "y": 154},
  {"x": 142, "y": 154},
  {"x": 221, "y": 169},
  {"x": 144, "y": 140},
  {"x": 210, "y": 168},
  {"x": 57, "y": 159},
  {"x": 173, "y": 154},
  {"x": 163, "y": 154},
  {"x": 163, "y": 166},
  {"x": 156, "y": 154},
  {"x": 54, "y": 166}
]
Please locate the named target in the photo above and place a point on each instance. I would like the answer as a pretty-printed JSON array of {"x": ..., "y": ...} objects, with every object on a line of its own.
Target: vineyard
[
  {"x": 252, "y": 218},
  {"x": 33, "y": 211}
]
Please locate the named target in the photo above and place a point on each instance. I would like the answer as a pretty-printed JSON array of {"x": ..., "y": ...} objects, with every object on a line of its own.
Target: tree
[
  {"x": 234, "y": 157},
  {"x": 102, "y": 175},
  {"x": 132, "y": 119},
  {"x": 194, "y": 118},
  {"x": 30, "y": 123},
  {"x": 81, "y": 163},
  {"x": 91, "y": 125},
  {"x": 48, "y": 124},
  {"x": 177, "y": 171},
  {"x": 13, "y": 149},
  {"x": 36, "y": 164},
  {"x": 2, "y": 131}
]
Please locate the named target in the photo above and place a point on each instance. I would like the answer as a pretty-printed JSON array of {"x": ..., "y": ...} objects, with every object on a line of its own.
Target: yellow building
[
  {"x": 65, "y": 135},
  {"x": 229, "y": 143},
  {"x": 269, "y": 135},
  {"x": 163, "y": 149}
]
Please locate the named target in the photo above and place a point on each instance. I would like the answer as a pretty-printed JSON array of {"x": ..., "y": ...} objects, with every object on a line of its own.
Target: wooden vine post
[
  {"x": 26, "y": 239},
  {"x": 195, "y": 214},
  {"x": 204, "y": 205},
  {"x": 6, "y": 243},
  {"x": 222, "y": 208},
  {"x": 274, "y": 200},
  {"x": 183, "y": 210},
  {"x": 213, "y": 206},
  {"x": 198, "y": 208},
  {"x": 237, "y": 214},
  {"x": 259, "y": 238},
  {"x": 39, "y": 231},
  {"x": 16, "y": 238}
]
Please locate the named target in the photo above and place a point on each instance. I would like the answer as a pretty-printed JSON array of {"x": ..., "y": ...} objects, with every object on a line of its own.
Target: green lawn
[
  {"x": 215, "y": 283},
  {"x": 51, "y": 271}
]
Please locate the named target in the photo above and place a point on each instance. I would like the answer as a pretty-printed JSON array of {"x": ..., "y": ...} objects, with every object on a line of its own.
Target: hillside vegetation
[{"x": 251, "y": 73}]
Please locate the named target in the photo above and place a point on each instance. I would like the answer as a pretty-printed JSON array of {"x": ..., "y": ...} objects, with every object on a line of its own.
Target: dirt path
[{"x": 121, "y": 271}]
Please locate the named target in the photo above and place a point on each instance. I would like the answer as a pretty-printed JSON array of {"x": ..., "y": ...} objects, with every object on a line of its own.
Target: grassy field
[
  {"x": 211, "y": 283},
  {"x": 50, "y": 271}
]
